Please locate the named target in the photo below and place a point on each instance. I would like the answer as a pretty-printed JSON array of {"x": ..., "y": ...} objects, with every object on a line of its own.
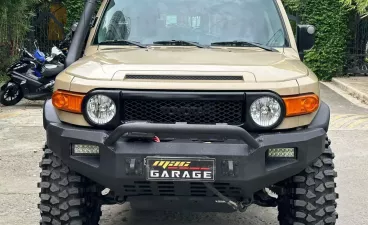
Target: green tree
[
  {"x": 331, "y": 17},
  {"x": 14, "y": 24},
  {"x": 74, "y": 10},
  {"x": 328, "y": 56},
  {"x": 360, "y": 5},
  {"x": 293, "y": 5}
]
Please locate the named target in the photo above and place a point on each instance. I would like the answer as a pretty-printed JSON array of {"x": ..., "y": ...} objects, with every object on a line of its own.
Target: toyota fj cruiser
[{"x": 198, "y": 105}]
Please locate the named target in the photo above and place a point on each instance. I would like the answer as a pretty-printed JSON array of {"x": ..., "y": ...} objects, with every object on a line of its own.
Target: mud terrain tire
[
  {"x": 309, "y": 198},
  {"x": 67, "y": 198}
]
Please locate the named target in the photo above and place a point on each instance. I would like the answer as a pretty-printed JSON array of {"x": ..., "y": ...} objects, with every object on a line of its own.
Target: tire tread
[
  {"x": 310, "y": 197},
  {"x": 63, "y": 194}
]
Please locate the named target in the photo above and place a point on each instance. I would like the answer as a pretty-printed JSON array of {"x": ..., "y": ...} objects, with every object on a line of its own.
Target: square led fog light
[
  {"x": 79, "y": 149},
  {"x": 281, "y": 153}
]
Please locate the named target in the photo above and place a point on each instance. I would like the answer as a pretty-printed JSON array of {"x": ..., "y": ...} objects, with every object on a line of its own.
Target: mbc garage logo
[{"x": 181, "y": 170}]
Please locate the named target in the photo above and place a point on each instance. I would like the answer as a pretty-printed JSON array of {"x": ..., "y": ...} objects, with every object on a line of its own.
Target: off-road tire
[
  {"x": 309, "y": 198},
  {"x": 67, "y": 198}
]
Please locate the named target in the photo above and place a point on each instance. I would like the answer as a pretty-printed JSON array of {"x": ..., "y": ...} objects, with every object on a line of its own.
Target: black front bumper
[{"x": 120, "y": 165}]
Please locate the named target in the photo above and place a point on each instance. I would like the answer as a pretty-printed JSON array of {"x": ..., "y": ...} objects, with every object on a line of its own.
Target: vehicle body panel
[{"x": 265, "y": 66}]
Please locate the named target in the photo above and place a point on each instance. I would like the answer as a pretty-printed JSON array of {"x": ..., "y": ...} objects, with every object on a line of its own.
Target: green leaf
[{"x": 331, "y": 17}]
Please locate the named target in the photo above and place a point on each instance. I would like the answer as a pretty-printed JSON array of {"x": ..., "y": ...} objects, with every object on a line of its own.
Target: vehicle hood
[{"x": 255, "y": 65}]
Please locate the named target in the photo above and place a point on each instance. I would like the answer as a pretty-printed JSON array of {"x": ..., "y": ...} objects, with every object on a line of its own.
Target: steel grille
[
  {"x": 188, "y": 111},
  {"x": 172, "y": 77}
]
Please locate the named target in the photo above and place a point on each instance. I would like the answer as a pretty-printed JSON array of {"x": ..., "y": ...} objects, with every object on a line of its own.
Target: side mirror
[{"x": 305, "y": 38}]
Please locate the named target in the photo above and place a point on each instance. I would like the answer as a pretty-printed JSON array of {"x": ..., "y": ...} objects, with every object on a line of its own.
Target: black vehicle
[
  {"x": 33, "y": 77},
  {"x": 24, "y": 82}
]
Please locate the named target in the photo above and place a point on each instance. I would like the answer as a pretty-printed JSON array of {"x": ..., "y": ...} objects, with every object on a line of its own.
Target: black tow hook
[{"x": 240, "y": 206}]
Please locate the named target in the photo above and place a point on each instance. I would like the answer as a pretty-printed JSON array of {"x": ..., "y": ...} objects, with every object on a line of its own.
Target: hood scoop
[{"x": 182, "y": 77}]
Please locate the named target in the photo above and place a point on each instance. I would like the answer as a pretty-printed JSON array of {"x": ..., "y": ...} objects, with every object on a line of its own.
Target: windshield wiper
[
  {"x": 179, "y": 42},
  {"x": 237, "y": 43},
  {"x": 123, "y": 42}
]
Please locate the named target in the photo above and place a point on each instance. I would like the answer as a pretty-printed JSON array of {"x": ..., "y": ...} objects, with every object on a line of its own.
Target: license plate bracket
[{"x": 194, "y": 169}]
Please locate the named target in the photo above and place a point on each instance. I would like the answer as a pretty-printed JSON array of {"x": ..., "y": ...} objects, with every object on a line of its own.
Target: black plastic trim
[
  {"x": 115, "y": 96},
  {"x": 172, "y": 95},
  {"x": 178, "y": 203},
  {"x": 179, "y": 77},
  {"x": 247, "y": 97},
  {"x": 322, "y": 118},
  {"x": 80, "y": 36},
  {"x": 253, "y": 96},
  {"x": 49, "y": 114}
]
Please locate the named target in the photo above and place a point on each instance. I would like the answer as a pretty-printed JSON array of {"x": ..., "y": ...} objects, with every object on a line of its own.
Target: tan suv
[{"x": 187, "y": 105}]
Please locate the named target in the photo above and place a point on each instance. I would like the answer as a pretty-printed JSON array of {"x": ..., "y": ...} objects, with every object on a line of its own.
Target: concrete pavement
[
  {"x": 355, "y": 86},
  {"x": 22, "y": 136}
]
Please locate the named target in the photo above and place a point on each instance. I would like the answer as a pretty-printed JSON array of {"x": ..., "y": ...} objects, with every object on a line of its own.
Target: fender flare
[
  {"x": 322, "y": 118},
  {"x": 49, "y": 114}
]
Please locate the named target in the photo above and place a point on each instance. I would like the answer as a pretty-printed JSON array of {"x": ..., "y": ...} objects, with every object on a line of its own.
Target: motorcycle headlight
[
  {"x": 100, "y": 109},
  {"x": 265, "y": 111}
]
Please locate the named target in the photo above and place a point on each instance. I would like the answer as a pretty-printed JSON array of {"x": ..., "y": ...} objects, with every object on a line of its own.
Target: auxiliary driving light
[
  {"x": 281, "y": 153},
  {"x": 85, "y": 149}
]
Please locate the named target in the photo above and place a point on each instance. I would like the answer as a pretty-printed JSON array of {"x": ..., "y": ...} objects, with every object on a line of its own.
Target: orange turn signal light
[
  {"x": 301, "y": 105},
  {"x": 68, "y": 101}
]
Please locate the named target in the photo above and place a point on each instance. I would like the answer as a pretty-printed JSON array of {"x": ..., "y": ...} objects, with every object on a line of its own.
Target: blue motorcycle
[{"x": 32, "y": 77}]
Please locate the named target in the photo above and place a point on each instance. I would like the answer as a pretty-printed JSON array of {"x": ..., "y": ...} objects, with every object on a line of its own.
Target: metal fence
[
  {"x": 357, "y": 55},
  {"x": 357, "y": 51},
  {"x": 47, "y": 27}
]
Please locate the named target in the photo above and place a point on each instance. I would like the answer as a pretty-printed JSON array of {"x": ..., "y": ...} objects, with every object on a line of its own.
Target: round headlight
[
  {"x": 265, "y": 111},
  {"x": 100, "y": 109}
]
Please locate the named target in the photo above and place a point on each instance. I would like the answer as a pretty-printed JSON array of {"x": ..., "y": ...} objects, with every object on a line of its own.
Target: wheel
[
  {"x": 11, "y": 95},
  {"x": 67, "y": 198},
  {"x": 309, "y": 198}
]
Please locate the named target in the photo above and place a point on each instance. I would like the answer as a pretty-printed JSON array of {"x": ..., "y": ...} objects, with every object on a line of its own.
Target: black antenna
[{"x": 79, "y": 38}]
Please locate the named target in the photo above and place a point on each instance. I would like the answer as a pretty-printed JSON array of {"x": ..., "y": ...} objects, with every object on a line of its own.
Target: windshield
[{"x": 199, "y": 21}]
